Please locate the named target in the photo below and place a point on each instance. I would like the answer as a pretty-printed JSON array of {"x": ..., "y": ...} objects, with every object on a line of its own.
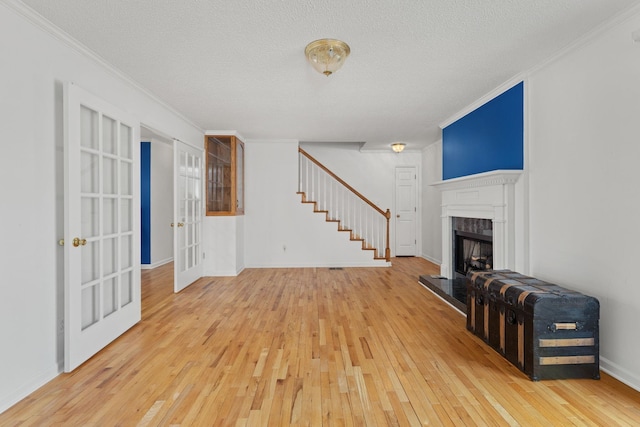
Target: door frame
[
  {"x": 196, "y": 272},
  {"x": 164, "y": 138},
  {"x": 418, "y": 225},
  {"x": 159, "y": 138}
]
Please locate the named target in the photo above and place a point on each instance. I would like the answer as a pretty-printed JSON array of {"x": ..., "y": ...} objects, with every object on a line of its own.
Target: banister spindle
[{"x": 343, "y": 203}]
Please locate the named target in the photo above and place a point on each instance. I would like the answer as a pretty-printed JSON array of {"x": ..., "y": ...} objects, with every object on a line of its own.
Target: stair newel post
[
  {"x": 387, "y": 251},
  {"x": 342, "y": 203}
]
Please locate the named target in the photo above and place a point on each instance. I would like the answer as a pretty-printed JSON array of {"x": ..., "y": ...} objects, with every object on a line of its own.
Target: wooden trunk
[{"x": 545, "y": 330}]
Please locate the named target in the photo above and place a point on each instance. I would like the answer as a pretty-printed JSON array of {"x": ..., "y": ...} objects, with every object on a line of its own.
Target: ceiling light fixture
[
  {"x": 327, "y": 55},
  {"x": 397, "y": 146}
]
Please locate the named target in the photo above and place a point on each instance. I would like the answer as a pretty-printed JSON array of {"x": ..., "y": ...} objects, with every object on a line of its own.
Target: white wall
[
  {"x": 35, "y": 65},
  {"x": 223, "y": 245},
  {"x": 431, "y": 203},
  {"x": 370, "y": 173},
  {"x": 280, "y": 231},
  {"x": 161, "y": 203},
  {"x": 584, "y": 149}
]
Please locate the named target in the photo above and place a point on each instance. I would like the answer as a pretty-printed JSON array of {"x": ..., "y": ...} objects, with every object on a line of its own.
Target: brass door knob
[
  {"x": 181, "y": 224},
  {"x": 79, "y": 242}
]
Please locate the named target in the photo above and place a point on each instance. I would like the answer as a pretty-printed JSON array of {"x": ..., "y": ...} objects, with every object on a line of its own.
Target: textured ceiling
[{"x": 239, "y": 65}]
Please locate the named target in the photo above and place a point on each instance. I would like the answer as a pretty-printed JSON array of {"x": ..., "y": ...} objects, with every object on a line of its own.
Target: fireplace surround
[
  {"x": 485, "y": 200},
  {"x": 489, "y": 195}
]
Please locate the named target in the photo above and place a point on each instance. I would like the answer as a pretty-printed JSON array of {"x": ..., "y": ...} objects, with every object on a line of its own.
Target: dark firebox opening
[{"x": 472, "y": 252}]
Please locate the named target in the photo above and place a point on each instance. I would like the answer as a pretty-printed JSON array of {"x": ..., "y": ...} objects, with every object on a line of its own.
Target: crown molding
[
  {"x": 224, "y": 133},
  {"x": 588, "y": 37},
  {"x": 48, "y": 27},
  {"x": 523, "y": 76},
  {"x": 484, "y": 99}
]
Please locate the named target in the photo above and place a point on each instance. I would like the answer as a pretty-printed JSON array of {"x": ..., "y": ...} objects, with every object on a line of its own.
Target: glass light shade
[
  {"x": 327, "y": 55},
  {"x": 397, "y": 147}
]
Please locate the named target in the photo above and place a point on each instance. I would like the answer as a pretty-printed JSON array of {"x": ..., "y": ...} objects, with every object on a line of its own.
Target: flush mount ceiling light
[
  {"x": 397, "y": 146},
  {"x": 327, "y": 55}
]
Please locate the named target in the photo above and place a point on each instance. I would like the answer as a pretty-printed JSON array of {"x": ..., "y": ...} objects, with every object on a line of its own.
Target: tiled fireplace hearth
[{"x": 490, "y": 196}]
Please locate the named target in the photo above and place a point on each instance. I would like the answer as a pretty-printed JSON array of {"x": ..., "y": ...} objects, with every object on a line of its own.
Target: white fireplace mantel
[{"x": 489, "y": 195}]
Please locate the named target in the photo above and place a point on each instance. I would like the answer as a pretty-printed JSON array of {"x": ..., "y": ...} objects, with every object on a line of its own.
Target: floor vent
[{"x": 335, "y": 268}]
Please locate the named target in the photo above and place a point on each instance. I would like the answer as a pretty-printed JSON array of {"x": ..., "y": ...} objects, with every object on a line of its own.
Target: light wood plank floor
[{"x": 274, "y": 347}]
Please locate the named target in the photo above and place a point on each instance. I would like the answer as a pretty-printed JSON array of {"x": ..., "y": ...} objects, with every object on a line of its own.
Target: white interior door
[
  {"x": 102, "y": 224},
  {"x": 406, "y": 211},
  {"x": 188, "y": 209}
]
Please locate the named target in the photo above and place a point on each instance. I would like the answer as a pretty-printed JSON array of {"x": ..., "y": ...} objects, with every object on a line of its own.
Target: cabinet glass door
[
  {"x": 239, "y": 156},
  {"x": 219, "y": 174},
  {"x": 225, "y": 175}
]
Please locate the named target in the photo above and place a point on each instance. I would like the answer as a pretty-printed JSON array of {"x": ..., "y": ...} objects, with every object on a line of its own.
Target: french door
[
  {"x": 188, "y": 209},
  {"x": 102, "y": 224}
]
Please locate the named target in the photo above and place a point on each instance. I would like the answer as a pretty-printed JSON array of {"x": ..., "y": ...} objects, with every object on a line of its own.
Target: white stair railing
[{"x": 341, "y": 202}]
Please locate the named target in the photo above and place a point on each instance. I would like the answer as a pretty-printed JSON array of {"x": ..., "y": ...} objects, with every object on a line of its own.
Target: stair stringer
[{"x": 326, "y": 233}]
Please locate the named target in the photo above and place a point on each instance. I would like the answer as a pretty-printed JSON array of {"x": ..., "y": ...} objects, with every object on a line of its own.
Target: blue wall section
[
  {"x": 488, "y": 138},
  {"x": 145, "y": 201}
]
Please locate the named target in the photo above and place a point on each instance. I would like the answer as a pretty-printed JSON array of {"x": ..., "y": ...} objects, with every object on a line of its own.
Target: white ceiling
[{"x": 240, "y": 65}]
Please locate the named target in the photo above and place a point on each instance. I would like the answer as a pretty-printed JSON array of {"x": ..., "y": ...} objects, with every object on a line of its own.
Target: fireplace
[
  {"x": 488, "y": 201},
  {"x": 472, "y": 252},
  {"x": 472, "y": 245},
  {"x": 487, "y": 196}
]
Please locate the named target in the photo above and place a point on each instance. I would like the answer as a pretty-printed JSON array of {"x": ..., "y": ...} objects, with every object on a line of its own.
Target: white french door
[
  {"x": 187, "y": 217},
  {"x": 102, "y": 224},
  {"x": 406, "y": 211}
]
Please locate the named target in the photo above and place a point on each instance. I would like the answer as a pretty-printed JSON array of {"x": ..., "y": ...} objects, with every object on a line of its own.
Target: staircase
[{"x": 340, "y": 203}]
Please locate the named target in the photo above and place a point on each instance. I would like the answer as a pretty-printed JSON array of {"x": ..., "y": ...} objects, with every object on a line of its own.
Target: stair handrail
[
  {"x": 341, "y": 181},
  {"x": 386, "y": 214}
]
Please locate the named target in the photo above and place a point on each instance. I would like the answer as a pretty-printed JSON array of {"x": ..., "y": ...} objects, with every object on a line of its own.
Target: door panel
[
  {"x": 188, "y": 210},
  {"x": 102, "y": 266},
  {"x": 406, "y": 210}
]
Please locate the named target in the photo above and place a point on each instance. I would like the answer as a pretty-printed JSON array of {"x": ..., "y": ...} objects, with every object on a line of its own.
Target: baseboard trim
[
  {"x": 29, "y": 387},
  {"x": 619, "y": 373},
  {"x": 378, "y": 263},
  {"x": 155, "y": 264},
  {"x": 432, "y": 260}
]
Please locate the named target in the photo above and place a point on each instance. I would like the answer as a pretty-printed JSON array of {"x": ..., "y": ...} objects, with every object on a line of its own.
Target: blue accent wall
[
  {"x": 489, "y": 138},
  {"x": 145, "y": 201}
]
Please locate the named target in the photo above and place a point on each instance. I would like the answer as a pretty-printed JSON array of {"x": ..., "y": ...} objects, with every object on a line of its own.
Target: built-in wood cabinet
[{"x": 225, "y": 175}]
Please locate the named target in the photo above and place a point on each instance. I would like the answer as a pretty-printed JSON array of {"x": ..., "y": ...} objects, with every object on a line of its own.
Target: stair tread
[{"x": 352, "y": 237}]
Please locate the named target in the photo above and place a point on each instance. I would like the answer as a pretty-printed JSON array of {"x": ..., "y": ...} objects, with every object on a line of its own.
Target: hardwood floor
[{"x": 273, "y": 347}]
